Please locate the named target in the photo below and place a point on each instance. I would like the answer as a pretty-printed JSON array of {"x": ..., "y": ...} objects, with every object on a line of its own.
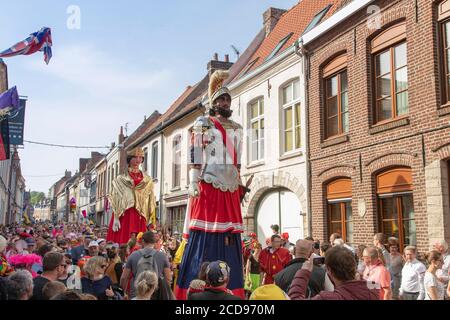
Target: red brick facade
[{"x": 415, "y": 141}]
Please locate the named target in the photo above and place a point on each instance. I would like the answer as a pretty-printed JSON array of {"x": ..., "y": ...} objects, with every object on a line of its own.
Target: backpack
[{"x": 146, "y": 262}]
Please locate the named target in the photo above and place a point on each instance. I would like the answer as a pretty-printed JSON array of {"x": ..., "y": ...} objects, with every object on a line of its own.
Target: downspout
[
  {"x": 161, "y": 206},
  {"x": 303, "y": 54}
]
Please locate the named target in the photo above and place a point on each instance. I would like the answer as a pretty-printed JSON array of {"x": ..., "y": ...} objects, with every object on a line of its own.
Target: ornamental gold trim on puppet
[{"x": 136, "y": 152}]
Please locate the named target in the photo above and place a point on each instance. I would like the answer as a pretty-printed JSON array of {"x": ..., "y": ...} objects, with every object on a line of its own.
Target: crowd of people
[{"x": 49, "y": 261}]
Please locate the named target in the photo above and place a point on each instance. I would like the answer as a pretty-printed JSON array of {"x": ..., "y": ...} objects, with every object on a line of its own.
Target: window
[
  {"x": 444, "y": 23},
  {"x": 291, "y": 116},
  {"x": 155, "y": 160},
  {"x": 117, "y": 168},
  {"x": 336, "y": 97},
  {"x": 395, "y": 205},
  {"x": 391, "y": 73},
  {"x": 176, "y": 161},
  {"x": 144, "y": 162},
  {"x": 177, "y": 215},
  {"x": 249, "y": 66},
  {"x": 279, "y": 46},
  {"x": 317, "y": 19},
  {"x": 257, "y": 130},
  {"x": 339, "y": 204}
]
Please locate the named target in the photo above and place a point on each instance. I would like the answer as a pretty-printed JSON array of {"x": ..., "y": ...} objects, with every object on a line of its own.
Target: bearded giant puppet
[{"x": 213, "y": 224}]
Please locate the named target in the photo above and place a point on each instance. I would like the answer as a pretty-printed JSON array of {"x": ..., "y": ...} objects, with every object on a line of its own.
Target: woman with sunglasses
[{"x": 96, "y": 282}]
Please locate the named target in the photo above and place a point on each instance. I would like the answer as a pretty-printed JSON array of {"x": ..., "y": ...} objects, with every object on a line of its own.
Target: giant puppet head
[{"x": 219, "y": 95}]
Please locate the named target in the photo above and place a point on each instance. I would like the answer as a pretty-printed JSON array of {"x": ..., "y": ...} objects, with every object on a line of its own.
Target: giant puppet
[
  {"x": 132, "y": 201},
  {"x": 213, "y": 224}
]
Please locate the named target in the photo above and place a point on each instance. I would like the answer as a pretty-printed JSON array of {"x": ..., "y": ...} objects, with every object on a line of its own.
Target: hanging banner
[{"x": 16, "y": 124}]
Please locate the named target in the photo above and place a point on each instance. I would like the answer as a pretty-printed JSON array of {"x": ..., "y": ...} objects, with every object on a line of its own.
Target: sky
[{"x": 126, "y": 60}]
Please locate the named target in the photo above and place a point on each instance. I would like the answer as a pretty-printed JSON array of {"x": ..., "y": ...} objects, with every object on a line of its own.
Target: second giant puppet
[
  {"x": 132, "y": 201},
  {"x": 213, "y": 224}
]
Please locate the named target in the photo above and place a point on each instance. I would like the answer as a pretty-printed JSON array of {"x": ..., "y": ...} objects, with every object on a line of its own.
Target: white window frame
[
  {"x": 292, "y": 105},
  {"x": 260, "y": 141}
]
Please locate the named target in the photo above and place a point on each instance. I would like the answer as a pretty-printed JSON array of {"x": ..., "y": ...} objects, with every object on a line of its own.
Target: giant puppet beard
[{"x": 226, "y": 113}]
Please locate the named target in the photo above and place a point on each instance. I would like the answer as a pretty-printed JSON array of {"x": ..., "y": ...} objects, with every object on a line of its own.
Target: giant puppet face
[
  {"x": 223, "y": 106},
  {"x": 136, "y": 161}
]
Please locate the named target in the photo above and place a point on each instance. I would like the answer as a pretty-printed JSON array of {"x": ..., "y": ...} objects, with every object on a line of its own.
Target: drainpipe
[
  {"x": 161, "y": 182},
  {"x": 303, "y": 54}
]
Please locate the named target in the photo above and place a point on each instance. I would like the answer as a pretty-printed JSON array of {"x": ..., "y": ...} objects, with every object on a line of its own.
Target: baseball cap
[
  {"x": 93, "y": 243},
  {"x": 269, "y": 292},
  {"x": 30, "y": 241},
  {"x": 217, "y": 272},
  {"x": 100, "y": 240}
]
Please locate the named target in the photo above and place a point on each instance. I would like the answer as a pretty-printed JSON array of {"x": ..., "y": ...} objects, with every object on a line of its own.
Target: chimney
[
  {"x": 113, "y": 144},
  {"x": 270, "y": 18},
  {"x": 83, "y": 163},
  {"x": 215, "y": 64},
  {"x": 67, "y": 174},
  {"x": 121, "y": 136},
  {"x": 227, "y": 58}
]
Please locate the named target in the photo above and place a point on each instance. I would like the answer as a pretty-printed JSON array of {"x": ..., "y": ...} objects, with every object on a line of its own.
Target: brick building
[{"x": 379, "y": 114}]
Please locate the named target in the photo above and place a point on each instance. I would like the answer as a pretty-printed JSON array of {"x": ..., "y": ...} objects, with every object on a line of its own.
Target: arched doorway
[{"x": 279, "y": 206}]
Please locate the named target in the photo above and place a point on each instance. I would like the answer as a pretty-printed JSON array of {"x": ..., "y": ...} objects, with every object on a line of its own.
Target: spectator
[
  {"x": 285, "y": 243},
  {"x": 252, "y": 269},
  {"x": 316, "y": 283},
  {"x": 333, "y": 237},
  {"x": 324, "y": 247},
  {"x": 115, "y": 265},
  {"x": 54, "y": 267},
  {"x": 160, "y": 259},
  {"x": 341, "y": 269},
  {"x": 275, "y": 228},
  {"x": 433, "y": 290},
  {"x": 20, "y": 285},
  {"x": 31, "y": 245},
  {"x": 377, "y": 273},
  {"x": 81, "y": 250},
  {"x": 396, "y": 267},
  {"x": 378, "y": 241},
  {"x": 52, "y": 289},
  {"x": 217, "y": 275},
  {"x": 199, "y": 284},
  {"x": 269, "y": 292},
  {"x": 443, "y": 273},
  {"x": 93, "y": 248},
  {"x": 124, "y": 252},
  {"x": 95, "y": 282},
  {"x": 273, "y": 259},
  {"x": 413, "y": 272},
  {"x": 361, "y": 266},
  {"x": 146, "y": 284}
]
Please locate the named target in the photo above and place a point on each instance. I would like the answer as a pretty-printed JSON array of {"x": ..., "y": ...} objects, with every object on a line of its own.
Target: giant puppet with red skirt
[
  {"x": 213, "y": 224},
  {"x": 132, "y": 201}
]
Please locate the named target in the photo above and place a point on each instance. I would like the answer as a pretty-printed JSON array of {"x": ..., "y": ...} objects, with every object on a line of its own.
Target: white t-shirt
[{"x": 430, "y": 280}]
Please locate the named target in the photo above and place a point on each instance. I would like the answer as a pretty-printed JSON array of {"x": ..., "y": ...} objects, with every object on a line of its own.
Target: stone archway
[{"x": 273, "y": 180}]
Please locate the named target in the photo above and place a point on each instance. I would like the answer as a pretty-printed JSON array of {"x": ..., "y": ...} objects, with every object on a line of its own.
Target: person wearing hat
[
  {"x": 269, "y": 292},
  {"x": 132, "y": 201},
  {"x": 217, "y": 279},
  {"x": 213, "y": 221}
]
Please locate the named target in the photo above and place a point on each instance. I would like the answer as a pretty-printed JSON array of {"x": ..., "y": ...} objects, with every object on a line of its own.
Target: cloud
[{"x": 98, "y": 72}]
